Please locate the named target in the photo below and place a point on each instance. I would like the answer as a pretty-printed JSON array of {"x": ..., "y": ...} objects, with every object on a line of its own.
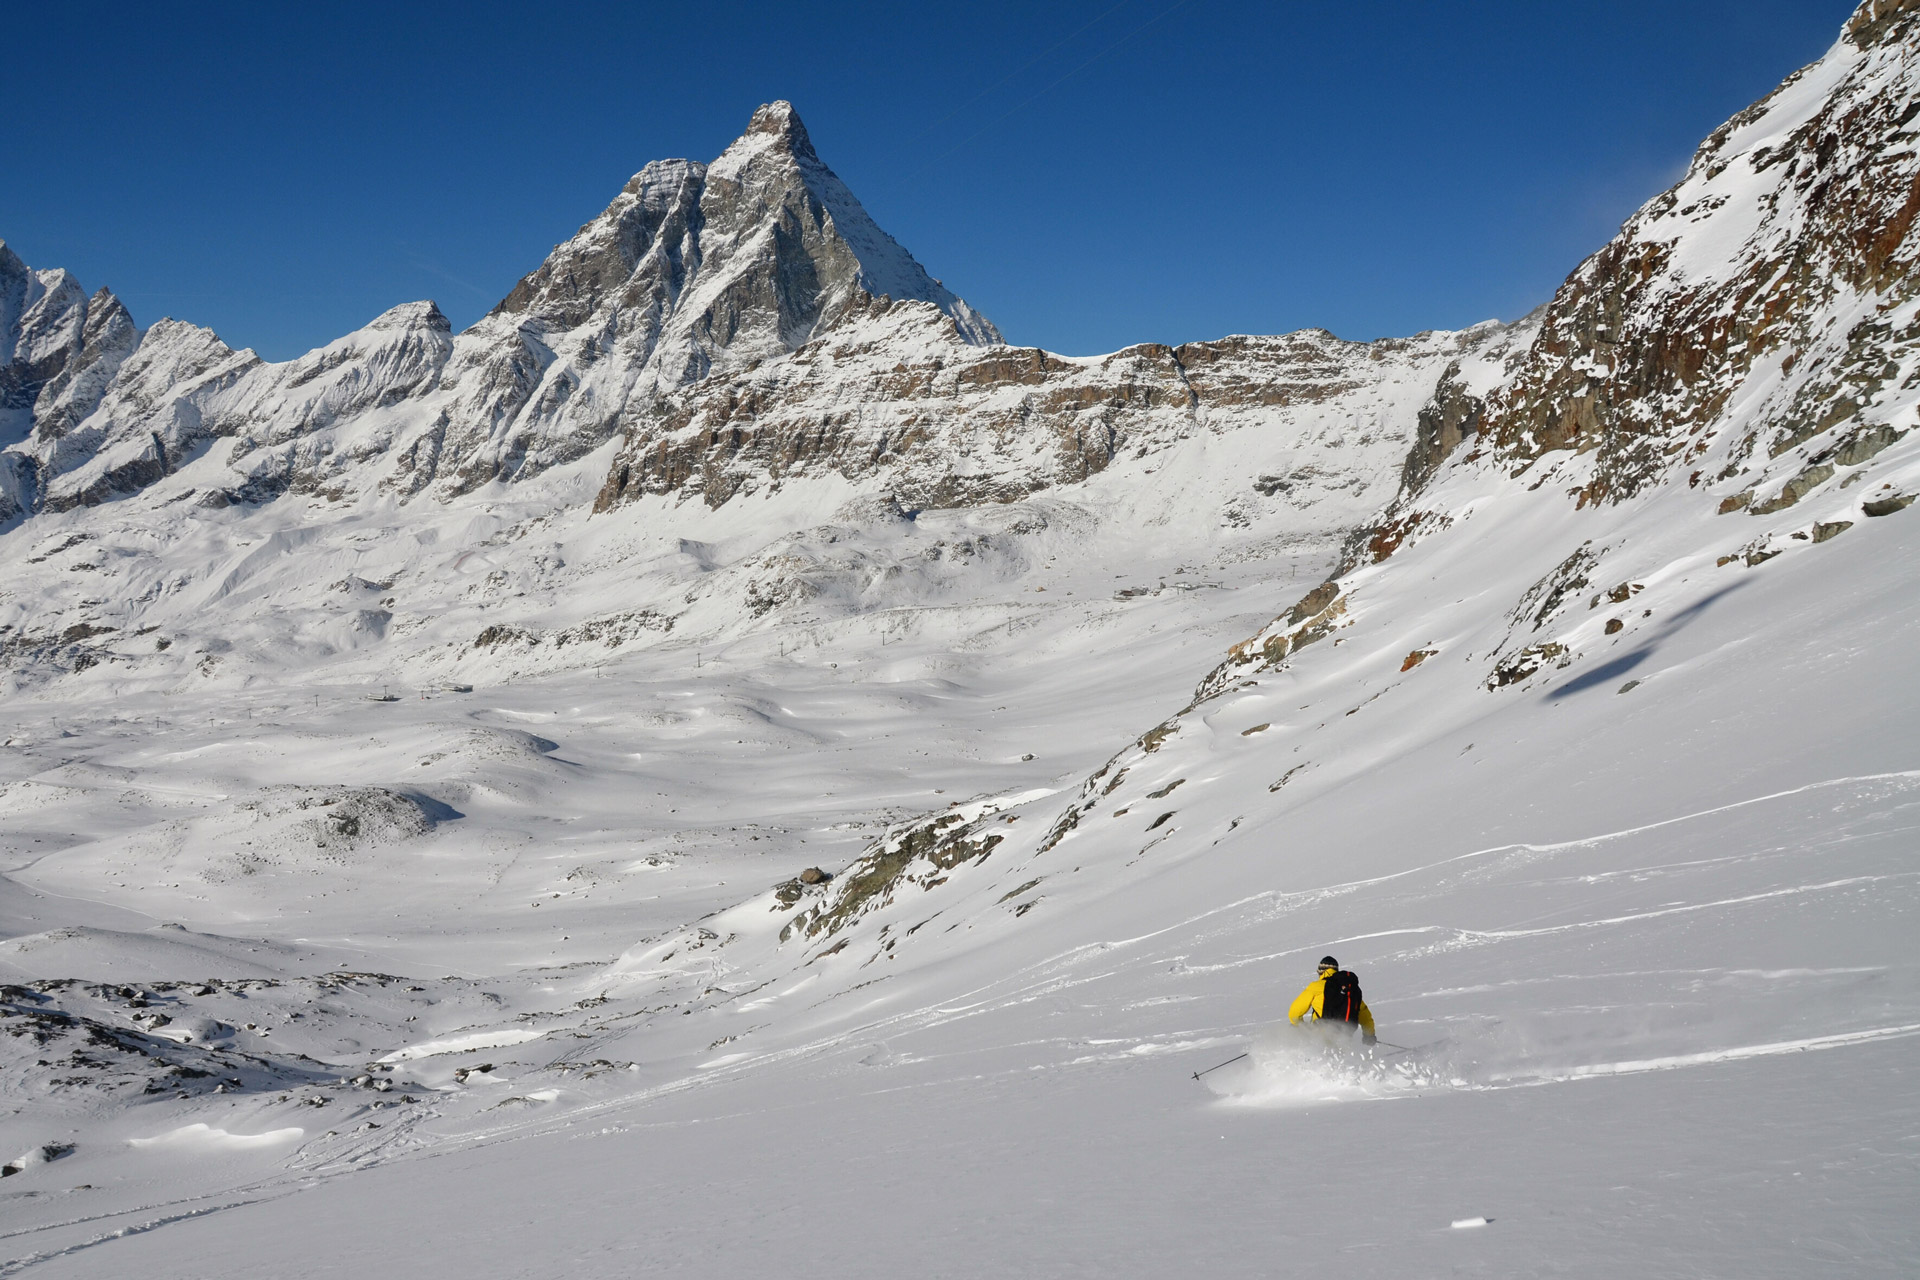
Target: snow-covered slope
[{"x": 1555, "y": 677}]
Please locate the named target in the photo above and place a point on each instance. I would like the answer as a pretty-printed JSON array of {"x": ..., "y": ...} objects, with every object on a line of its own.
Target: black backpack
[{"x": 1341, "y": 1002}]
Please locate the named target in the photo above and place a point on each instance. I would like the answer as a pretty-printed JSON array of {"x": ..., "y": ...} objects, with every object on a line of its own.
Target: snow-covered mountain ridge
[
  {"x": 692, "y": 269},
  {"x": 730, "y": 324},
  {"x": 720, "y": 332},
  {"x": 1755, "y": 330}
]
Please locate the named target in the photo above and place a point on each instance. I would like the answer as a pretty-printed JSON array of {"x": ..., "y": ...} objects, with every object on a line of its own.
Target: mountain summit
[
  {"x": 693, "y": 269},
  {"x": 731, "y": 262}
]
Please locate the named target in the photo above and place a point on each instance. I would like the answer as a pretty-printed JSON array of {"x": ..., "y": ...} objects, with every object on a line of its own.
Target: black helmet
[{"x": 1328, "y": 962}]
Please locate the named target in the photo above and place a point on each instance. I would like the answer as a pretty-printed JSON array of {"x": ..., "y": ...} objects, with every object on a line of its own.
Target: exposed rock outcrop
[
  {"x": 890, "y": 394},
  {"x": 1770, "y": 295},
  {"x": 1648, "y": 342}
]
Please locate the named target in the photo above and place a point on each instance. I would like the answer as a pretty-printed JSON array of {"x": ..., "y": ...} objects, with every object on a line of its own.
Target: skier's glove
[{"x": 1369, "y": 1038}]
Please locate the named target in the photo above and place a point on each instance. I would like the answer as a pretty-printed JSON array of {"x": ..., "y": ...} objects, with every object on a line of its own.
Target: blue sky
[{"x": 1087, "y": 174}]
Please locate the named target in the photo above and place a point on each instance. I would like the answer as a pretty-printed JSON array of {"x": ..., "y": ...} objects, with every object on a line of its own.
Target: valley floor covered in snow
[{"x": 1661, "y": 938}]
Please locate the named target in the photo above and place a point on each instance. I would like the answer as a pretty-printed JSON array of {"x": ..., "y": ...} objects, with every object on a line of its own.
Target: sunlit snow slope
[{"x": 1556, "y": 678}]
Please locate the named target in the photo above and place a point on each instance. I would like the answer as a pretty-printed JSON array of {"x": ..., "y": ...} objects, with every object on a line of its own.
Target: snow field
[{"x": 1636, "y": 920}]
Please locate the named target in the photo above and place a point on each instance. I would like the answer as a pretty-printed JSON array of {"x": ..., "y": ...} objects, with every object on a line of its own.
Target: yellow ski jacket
[{"x": 1313, "y": 998}]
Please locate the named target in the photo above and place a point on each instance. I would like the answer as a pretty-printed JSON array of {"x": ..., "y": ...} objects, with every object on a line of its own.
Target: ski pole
[{"x": 1229, "y": 1062}]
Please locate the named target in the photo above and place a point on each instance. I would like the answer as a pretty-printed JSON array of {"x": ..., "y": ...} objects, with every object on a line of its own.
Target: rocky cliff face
[
  {"x": 1748, "y": 346},
  {"x": 1780, "y": 267},
  {"x": 59, "y": 352},
  {"x": 891, "y": 398}
]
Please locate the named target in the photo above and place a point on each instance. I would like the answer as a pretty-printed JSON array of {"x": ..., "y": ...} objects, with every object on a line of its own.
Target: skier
[{"x": 1333, "y": 998}]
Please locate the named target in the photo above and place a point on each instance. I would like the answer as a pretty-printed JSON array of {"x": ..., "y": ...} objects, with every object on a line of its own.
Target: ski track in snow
[{"x": 1735, "y": 1054}]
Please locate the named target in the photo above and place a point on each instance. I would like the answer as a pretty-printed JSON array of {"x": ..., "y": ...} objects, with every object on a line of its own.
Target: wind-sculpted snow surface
[{"x": 724, "y": 815}]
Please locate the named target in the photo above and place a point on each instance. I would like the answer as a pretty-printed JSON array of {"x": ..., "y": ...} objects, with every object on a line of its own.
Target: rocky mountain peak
[
  {"x": 13, "y": 281},
  {"x": 779, "y": 121},
  {"x": 767, "y": 224},
  {"x": 773, "y": 210},
  {"x": 51, "y": 334},
  {"x": 1877, "y": 21},
  {"x": 424, "y": 314},
  {"x": 693, "y": 271}
]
